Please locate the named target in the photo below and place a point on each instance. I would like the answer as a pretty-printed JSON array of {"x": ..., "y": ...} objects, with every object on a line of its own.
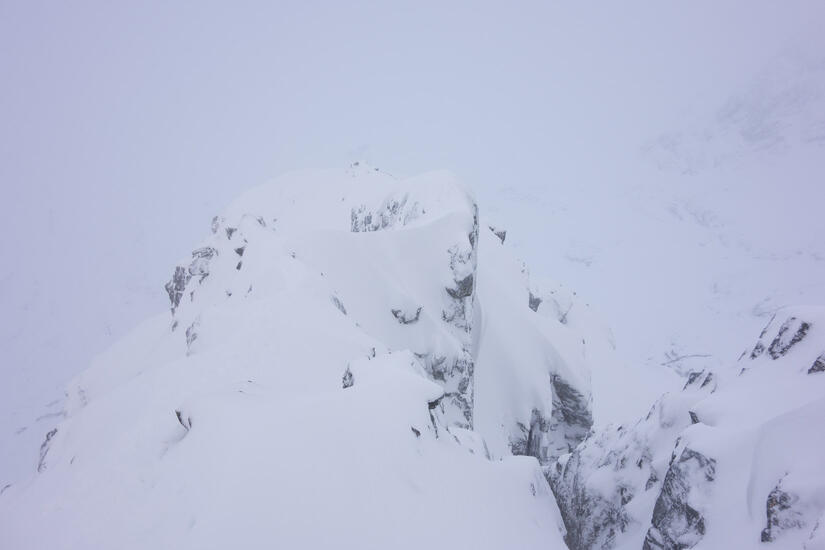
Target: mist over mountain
[{"x": 595, "y": 325}]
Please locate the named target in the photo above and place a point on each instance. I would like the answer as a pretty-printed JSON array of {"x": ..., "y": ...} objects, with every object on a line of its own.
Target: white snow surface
[{"x": 228, "y": 423}]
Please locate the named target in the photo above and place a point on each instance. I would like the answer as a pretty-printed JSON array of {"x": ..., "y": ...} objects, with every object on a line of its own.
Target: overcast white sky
[{"x": 127, "y": 125}]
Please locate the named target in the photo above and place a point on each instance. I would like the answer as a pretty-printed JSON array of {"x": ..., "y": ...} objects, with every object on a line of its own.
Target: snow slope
[
  {"x": 352, "y": 360},
  {"x": 733, "y": 460}
]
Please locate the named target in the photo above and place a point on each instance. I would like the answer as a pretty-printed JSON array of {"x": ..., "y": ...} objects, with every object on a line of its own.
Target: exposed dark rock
[
  {"x": 240, "y": 250},
  {"x": 571, "y": 418},
  {"x": 416, "y": 432},
  {"x": 404, "y": 318},
  {"x": 758, "y": 349},
  {"x": 230, "y": 231},
  {"x": 530, "y": 442},
  {"x": 176, "y": 286},
  {"x": 693, "y": 377},
  {"x": 191, "y": 335},
  {"x": 203, "y": 253},
  {"x": 781, "y": 514},
  {"x": 534, "y": 302},
  {"x": 694, "y": 418},
  {"x": 198, "y": 267},
  {"x": 500, "y": 233},
  {"x": 592, "y": 520},
  {"x": 652, "y": 480},
  {"x": 186, "y": 422},
  {"x": 338, "y": 304},
  {"x": 347, "y": 380},
  {"x": 781, "y": 344},
  {"x": 463, "y": 288},
  {"x": 394, "y": 212},
  {"x": 44, "y": 450},
  {"x": 455, "y": 374},
  {"x": 626, "y": 494},
  {"x": 435, "y": 365},
  {"x": 819, "y": 365},
  {"x": 472, "y": 236},
  {"x": 676, "y": 523},
  {"x": 434, "y": 407}
]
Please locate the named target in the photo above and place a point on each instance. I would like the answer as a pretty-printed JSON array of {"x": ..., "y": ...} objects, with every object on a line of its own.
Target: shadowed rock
[
  {"x": 790, "y": 333},
  {"x": 338, "y": 304},
  {"x": 781, "y": 513},
  {"x": 819, "y": 365},
  {"x": 347, "y": 380},
  {"x": 676, "y": 523},
  {"x": 500, "y": 233},
  {"x": 405, "y": 318},
  {"x": 534, "y": 302},
  {"x": 781, "y": 344},
  {"x": 44, "y": 450},
  {"x": 463, "y": 288}
]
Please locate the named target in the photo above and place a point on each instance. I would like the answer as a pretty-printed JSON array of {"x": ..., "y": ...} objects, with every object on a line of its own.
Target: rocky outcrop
[
  {"x": 456, "y": 377},
  {"x": 782, "y": 513},
  {"x": 597, "y": 483},
  {"x": 348, "y": 380},
  {"x": 396, "y": 211},
  {"x": 44, "y": 450},
  {"x": 534, "y": 302},
  {"x": 677, "y": 522},
  {"x": 458, "y": 312},
  {"x": 592, "y": 519},
  {"x": 198, "y": 268},
  {"x": 406, "y": 317},
  {"x": 618, "y": 490},
  {"x": 570, "y": 422},
  {"x": 790, "y": 333},
  {"x": 500, "y": 233},
  {"x": 818, "y": 365}
]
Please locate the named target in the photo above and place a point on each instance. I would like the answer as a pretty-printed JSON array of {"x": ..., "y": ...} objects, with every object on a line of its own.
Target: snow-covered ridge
[
  {"x": 356, "y": 360},
  {"x": 351, "y": 360}
]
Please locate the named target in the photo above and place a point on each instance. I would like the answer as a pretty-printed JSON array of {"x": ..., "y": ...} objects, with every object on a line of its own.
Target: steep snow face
[
  {"x": 734, "y": 460},
  {"x": 351, "y": 360}
]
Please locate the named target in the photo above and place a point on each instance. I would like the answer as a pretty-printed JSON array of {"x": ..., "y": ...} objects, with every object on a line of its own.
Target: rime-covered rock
[
  {"x": 678, "y": 520},
  {"x": 700, "y": 470}
]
